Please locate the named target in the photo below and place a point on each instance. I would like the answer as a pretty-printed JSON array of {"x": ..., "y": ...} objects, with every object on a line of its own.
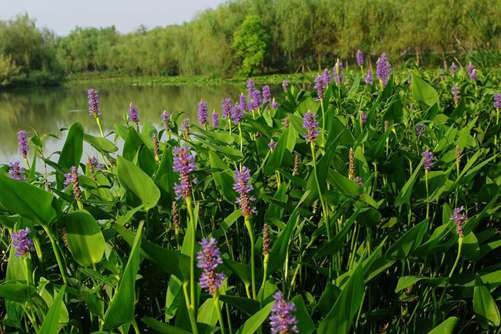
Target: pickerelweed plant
[{"x": 339, "y": 207}]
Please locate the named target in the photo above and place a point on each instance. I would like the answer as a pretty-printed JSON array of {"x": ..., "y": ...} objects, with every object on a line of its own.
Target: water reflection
[{"x": 50, "y": 109}]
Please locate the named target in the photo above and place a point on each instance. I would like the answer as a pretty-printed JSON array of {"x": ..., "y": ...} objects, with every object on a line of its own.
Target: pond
[{"x": 49, "y": 109}]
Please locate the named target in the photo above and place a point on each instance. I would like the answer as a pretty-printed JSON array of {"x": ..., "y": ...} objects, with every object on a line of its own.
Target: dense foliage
[
  {"x": 367, "y": 204},
  {"x": 265, "y": 36}
]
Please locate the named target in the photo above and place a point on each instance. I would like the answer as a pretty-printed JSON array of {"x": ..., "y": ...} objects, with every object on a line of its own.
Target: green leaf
[
  {"x": 484, "y": 305},
  {"x": 305, "y": 323},
  {"x": 423, "y": 91},
  {"x": 138, "y": 182},
  {"x": 101, "y": 144},
  {"x": 26, "y": 200},
  {"x": 121, "y": 307},
  {"x": 51, "y": 323},
  {"x": 85, "y": 240},
  {"x": 445, "y": 327},
  {"x": 405, "y": 193},
  {"x": 73, "y": 147},
  {"x": 346, "y": 307},
  {"x": 246, "y": 305},
  {"x": 401, "y": 248},
  {"x": 17, "y": 291},
  {"x": 345, "y": 185},
  {"x": 407, "y": 281},
  {"x": 254, "y": 323},
  {"x": 163, "y": 328}
]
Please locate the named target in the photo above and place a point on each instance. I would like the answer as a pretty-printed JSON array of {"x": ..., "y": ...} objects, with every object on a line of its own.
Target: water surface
[{"x": 48, "y": 110}]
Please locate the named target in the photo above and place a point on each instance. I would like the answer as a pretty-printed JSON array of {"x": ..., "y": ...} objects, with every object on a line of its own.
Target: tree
[{"x": 250, "y": 43}]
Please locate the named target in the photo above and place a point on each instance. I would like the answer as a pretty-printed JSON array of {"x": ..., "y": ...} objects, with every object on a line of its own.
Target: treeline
[{"x": 268, "y": 36}]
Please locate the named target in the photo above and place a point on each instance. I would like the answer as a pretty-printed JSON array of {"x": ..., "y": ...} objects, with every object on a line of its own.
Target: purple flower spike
[
  {"x": 133, "y": 115},
  {"x": 226, "y": 107},
  {"x": 22, "y": 242},
  {"x": 242, "y": 102},
  {"x": 266, "y": 94},
  {"x": 274, "y": 105},
  {"x": 456, "y": 93},
  {"x": 93, "y": 102},
  {"x": 255, "y": 100},
  {"x": 285, "y": 85},
  {"x": 497, "y": 101},
  {"x": 363, "y": 118},
  {"x": 16, "y": 171},
  {"x": 237, "y": 113},
  {"x": 311, "y": 125},
  {"x": 369, "y": 80},
  {"x": 165, "y": 116},
  {"x": 359, "y": 58},
  {"x": 203, "y": 113},
  {"x": 282, "y": 319},
  {"x": 459, "y": 219},
  {"x": 427, "y": 159},
  {"x": 209, "y": 258},
  {"x": 338, "y": 72},
  {"x": 184, "y": 164},
  {"x": 22, "y": 140},
  {"x": 272, "y": 145},
  {"x": 320, "y": 86},
  {"x": 326, "y": 77},
  {"x": 383, "y": 69},
  {"x": 453, "y": 69},
  {"x": 251, "y": 87},
  {"x": 215, "y": 119},
  {"x": 94, "y": 164},
  {"x": 472, "y": 72},
  {"x": 243, "y": 187}
]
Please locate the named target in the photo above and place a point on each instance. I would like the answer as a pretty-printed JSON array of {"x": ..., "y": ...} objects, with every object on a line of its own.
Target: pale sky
[{"x": 62, "y": 15}]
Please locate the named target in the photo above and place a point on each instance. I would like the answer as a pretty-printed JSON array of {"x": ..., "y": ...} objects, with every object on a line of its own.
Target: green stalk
[
  {"x": 266, "y": 261},
  {"x": 191, "y": 310},
  {"x": 56, "y": 253},
  {"x": 322, "y": 202},
  {"x": 219, "y": 315},
  {"x": 323, "y": 121},
  {"x": 192, "y": 252},
  {"x": 241, "y": 138},
  {"x": 248, "y": 225},
  {"x": 427, "y": 195},
  {"x": 460, "y": 247},
  {"x": 100, "y": 126}
]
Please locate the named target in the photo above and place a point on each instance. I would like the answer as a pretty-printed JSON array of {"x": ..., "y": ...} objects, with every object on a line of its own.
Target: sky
[{"x": 62, "y": 16}]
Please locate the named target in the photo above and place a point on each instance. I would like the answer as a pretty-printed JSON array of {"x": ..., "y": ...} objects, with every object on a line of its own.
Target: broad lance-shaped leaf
[
  {"x": 85, "y": 240},
  {"x": 346, "y": 307},
  {"x": 26, "y": 200},
  {"x": 17, "y": 291},
  {"x": 445, "y": 327},
  {"x": 138, "y": 182},
  {"x": 101, "y": 144},
  {"x": 51, "y": 324},
  {"x": 485, "y": 306},
  {"x": 73, "y": 147},
  {"x": 254, "y": 323},
  {"x": 423, "y": 91},
  {"x": 121, "y": 308},
  {"x": 405, "y": 193}
]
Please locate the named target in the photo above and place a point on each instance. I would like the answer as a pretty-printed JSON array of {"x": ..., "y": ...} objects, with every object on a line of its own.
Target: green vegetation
[
  {"x": 372, "y": 207},
  {"x": 261, "y": 37}
]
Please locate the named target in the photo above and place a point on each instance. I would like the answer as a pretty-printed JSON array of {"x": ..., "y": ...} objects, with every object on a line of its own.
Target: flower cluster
[
  {"x": 459, "y": 219},
  {"x": 243, "y": 187},
  {"x": 453, "y": 69},
  {"x": 209, "y": 258},
  {"x": 274, "y": 104},
  {"x": 359, "y": 57},
  {"x": 369, "y": 80},
  {"x": 226, "y": 106},
  {"x": 311, "y": 125},
  {"x": 427, "y": 159},
  {"x": 133, "y": 115},
  {"x": 266, "y": 94},
  {"x": 497, "y": 101},
  {"x": 215, "y": 119},
  {"x": 203, "y": 113},
  {"x": 254, "y": 100},
  {"x": 71, "y": 178},
  {"x": 383, "y": 69},
  {"x": 272, "y": 145},
  {"x": 22, "y": 140},
  {"x": 242, "y": 102},
  {"x": 93, "y": 102},
  {"x": 93, "y": 164},
  {"x": 184, "y": 164},
  {"x": 16, "y": 171},
  {"x": 320, "y": 85},
  {"x": 338, "y": 72},
  {"x": 21, "y": 241},
  {"x": 165, "y": 117},
  {"x": 420, "y": 129},
  {"x": 472, "y": 72},
  {"x": 282, "y": 319},
  {"x": 266, "y": 239},
  {"x": 363, "y": 118},
  {"x": 237, "y": 113},
  {"x": 285, "y": 85},
  {"x": 456, "y": 93}
]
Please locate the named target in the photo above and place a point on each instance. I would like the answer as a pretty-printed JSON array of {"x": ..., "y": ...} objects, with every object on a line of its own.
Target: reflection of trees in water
[{"x": 48, "y": 110}]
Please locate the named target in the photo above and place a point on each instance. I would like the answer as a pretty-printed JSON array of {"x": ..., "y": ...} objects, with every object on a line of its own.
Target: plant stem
[
  {"x": 191, "y": 310},
  {"x": 100, "y": 126},
  {"x": 248, "y": 225},
  {"x": 460, "y": 247},
  {"x": 427, "y": 195},
  {"x": 192, "y": 252},
  {"x": 219, "y": 315},
  {"x": 56, "y": 254},
  {"x": 322, "y": 202}
]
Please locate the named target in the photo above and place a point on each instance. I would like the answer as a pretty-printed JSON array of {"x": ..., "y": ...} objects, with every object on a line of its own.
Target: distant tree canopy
[{"x": 261, "y": 36}]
